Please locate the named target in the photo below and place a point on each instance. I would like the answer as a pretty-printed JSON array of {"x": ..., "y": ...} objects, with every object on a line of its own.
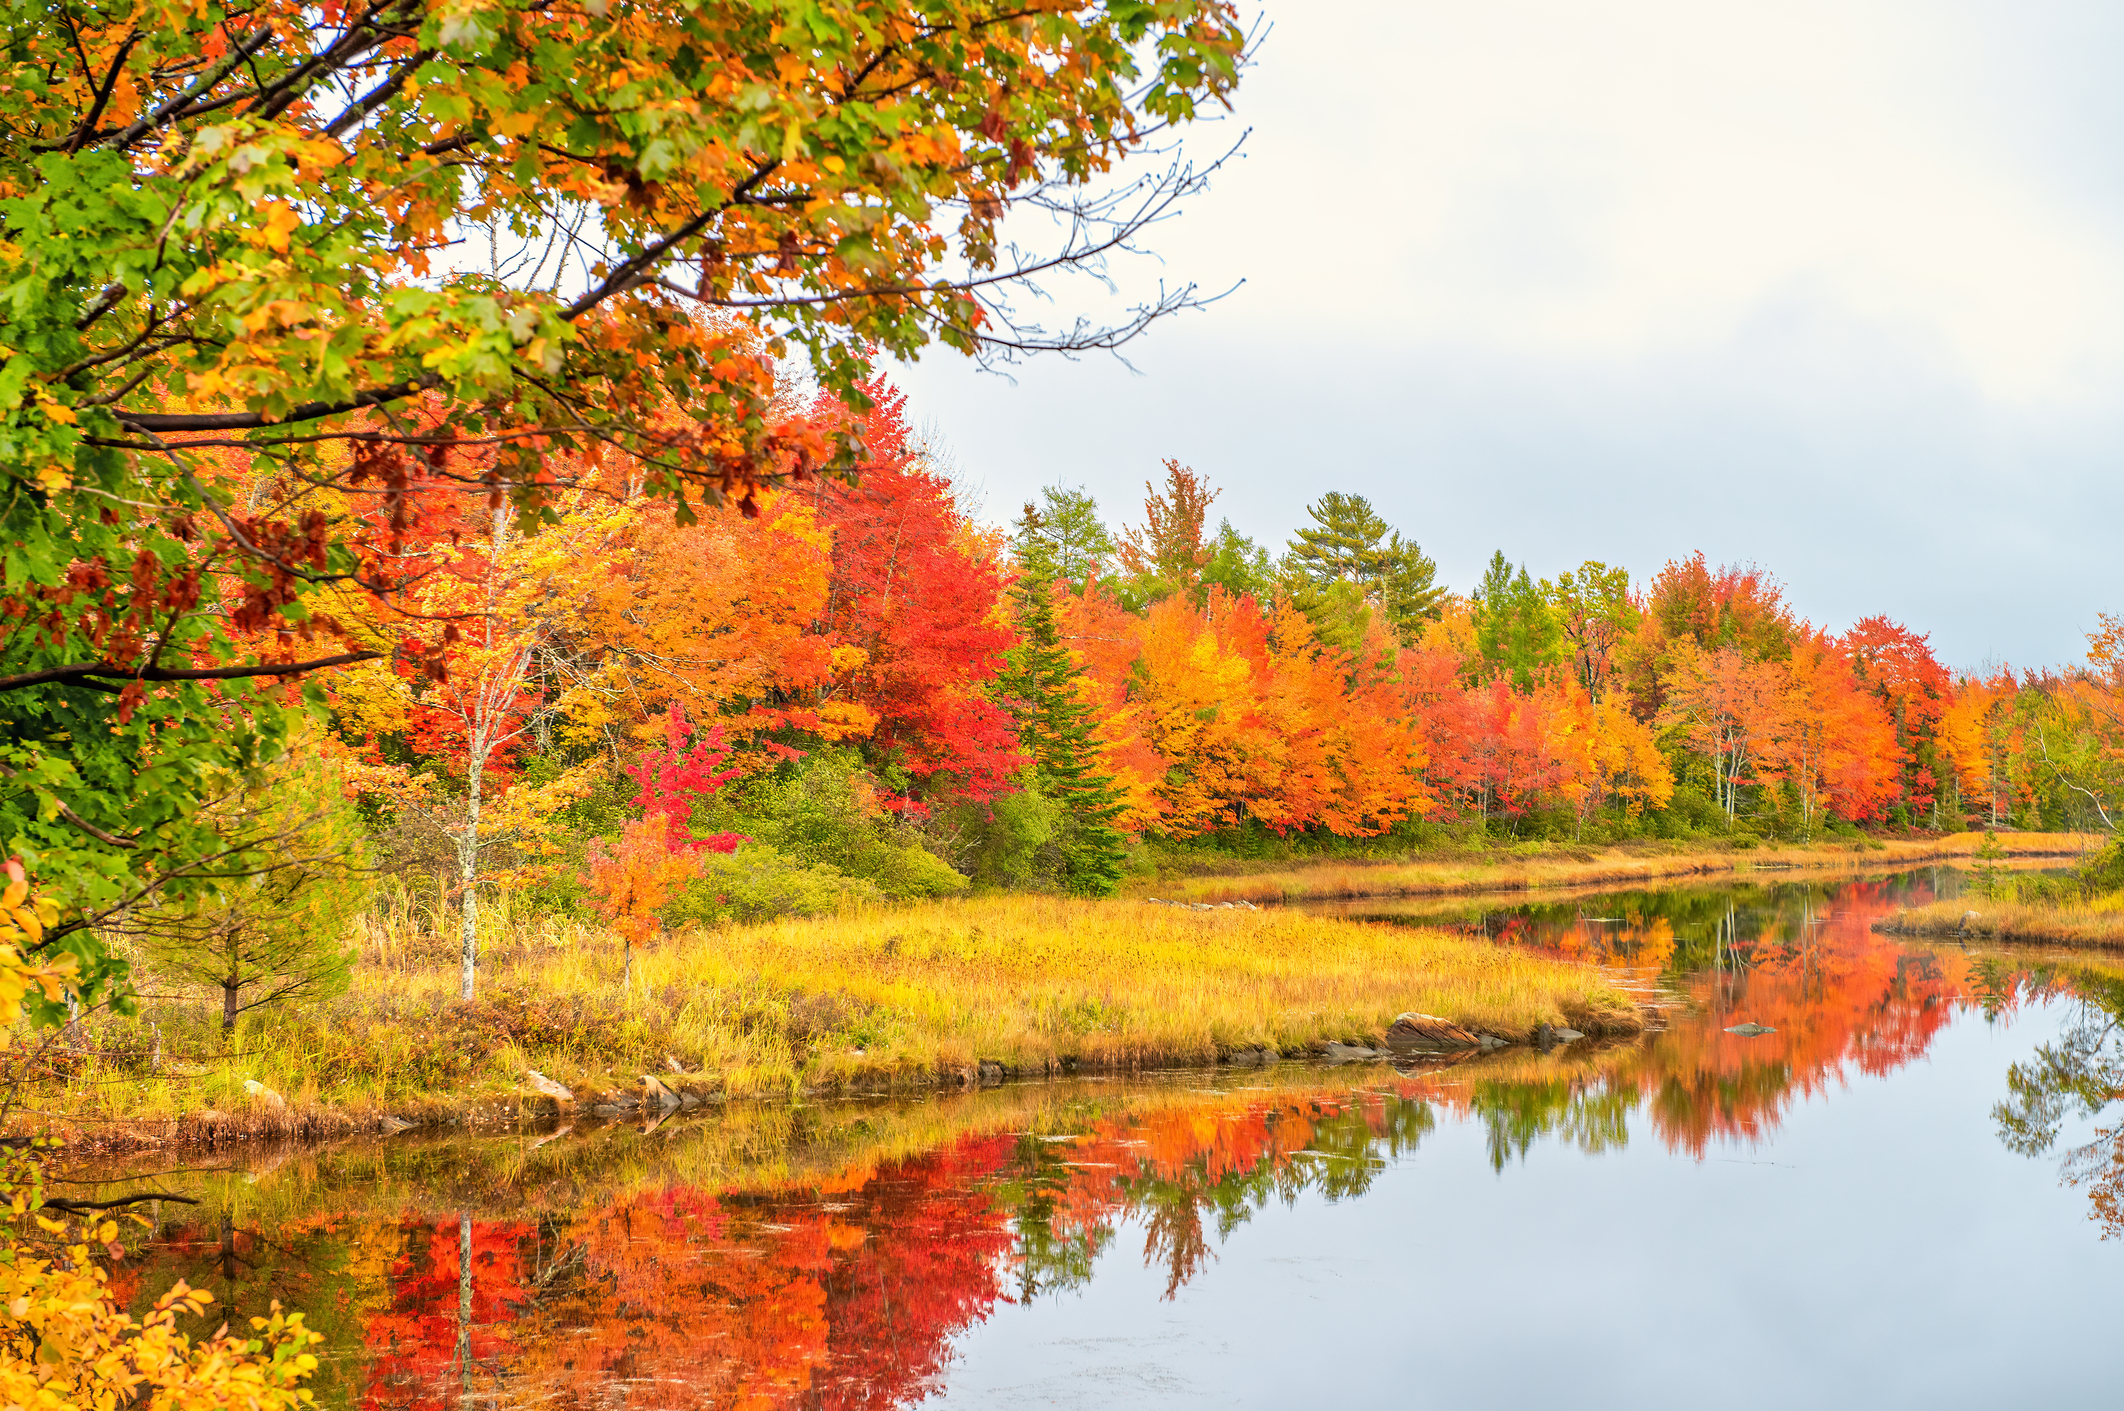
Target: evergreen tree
[
  {"x": 1516, "y": 631},
  {"x": 1055, "y": 727},
  {"x": 1239, "y": 565},
  {"x": 1082, "y": 546},
  {"x": 1349, "y": 542},
  {"x": 273, "y": 924}
]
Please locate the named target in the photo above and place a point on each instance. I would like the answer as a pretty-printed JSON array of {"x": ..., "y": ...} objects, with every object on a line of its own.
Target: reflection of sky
[
  {"x": 1832, "y": 287},
  {"x": 1881, "y": 1248}
]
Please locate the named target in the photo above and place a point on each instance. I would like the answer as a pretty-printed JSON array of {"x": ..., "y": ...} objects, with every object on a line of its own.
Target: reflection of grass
[
  {"x": 1512, "y": 871},
  {"x": 874, "y": 998},
  {"x": 2092, "y": 923},
  {"x": 736, "y": 1147}
]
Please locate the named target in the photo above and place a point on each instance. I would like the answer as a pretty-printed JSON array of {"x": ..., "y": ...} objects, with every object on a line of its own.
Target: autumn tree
[
  {"x": 1729, "y": 709},
  {"x": 1982, "y": 735},
  {"x": 1168, "y": 551},
  {"x": 1610, "y": 757},
  {"x": 224, "y": 230},
  {"x": 1596, "y": 613},
  {"x": 1737, "y": 606},
  {"x": 1897, "y": 667},
  {"x": 1335, "y": 754},
  {"x": 1833, "y": 743},
  {"x": 494, "y": 601},
  {"x": 631, "y": 880},
  {"x": 916, "y": 591},
  {"x": 718, "y": 616}
]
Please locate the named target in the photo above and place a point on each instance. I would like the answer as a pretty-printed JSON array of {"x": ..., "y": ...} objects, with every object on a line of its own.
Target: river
[{"x": 1896, "y": 1197}]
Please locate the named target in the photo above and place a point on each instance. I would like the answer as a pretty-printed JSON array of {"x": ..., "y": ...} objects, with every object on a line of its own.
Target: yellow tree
[
  {"x": 1980, "y": 732},
  {"x": 1728, "y": 708},
  {"x": 1610, "y": 755},
  {"x": 489, "y": 609}
]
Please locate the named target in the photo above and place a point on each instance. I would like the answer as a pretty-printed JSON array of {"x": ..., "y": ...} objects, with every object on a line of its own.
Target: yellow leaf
[{"x": 280, "y": 220}]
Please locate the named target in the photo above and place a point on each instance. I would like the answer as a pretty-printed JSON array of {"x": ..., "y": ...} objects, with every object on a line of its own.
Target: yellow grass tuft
[{"x": 2092, "y": 923}]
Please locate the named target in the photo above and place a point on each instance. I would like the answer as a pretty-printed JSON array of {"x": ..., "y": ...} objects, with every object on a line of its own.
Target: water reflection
[
  {"x": 829, "y": 1256},
  {"x": 1799, "y": 959},
  {"x": 2080, "y": 1073}
]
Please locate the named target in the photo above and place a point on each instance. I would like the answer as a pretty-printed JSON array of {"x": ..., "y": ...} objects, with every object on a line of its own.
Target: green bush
[
  {"x": 2103, "y": 874},
  {"x": 821, "y": 812},
  {"x": 1007, "y": 842},
  {"x": 756, "y": 883}
]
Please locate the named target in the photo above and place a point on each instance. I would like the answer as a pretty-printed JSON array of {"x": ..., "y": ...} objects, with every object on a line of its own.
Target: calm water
[{"x": 1897, "y": 1198}]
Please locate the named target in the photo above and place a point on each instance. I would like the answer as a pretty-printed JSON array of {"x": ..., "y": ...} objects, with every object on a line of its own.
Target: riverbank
[
  {"x": 1541, "y": 866},
  {"x": 2098, "y": 924},
  {"x": 949, "y": 994}
]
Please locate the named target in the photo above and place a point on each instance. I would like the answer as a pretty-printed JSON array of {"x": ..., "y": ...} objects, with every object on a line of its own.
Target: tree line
[{"x": 861, "y": 689}]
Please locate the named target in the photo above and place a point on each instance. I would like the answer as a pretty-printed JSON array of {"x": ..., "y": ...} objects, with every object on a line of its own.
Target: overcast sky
[{"x": 1837, "y": 288}]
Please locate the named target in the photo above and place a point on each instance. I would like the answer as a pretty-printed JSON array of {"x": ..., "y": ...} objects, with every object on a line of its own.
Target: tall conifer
[
  {"x": 1055, "y": 727},
  {"x": 1349, "y": 543}
]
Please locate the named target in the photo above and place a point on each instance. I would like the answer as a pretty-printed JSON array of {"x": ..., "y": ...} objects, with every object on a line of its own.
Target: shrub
[
  {"x": 1007, "y": 842},
  {"x": 756, "y": 883},
  {"x": 824, "y": 811}
]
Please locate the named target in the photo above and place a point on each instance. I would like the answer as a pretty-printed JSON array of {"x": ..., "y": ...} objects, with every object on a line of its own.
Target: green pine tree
[
  {"x": 1239, "y": 565},
  {"x": 1055, "y": 727},
  {"x": 1083, "y": 548},
  {"x": 1516, "y": 631},
  {"x": 1349, "y": 543}
]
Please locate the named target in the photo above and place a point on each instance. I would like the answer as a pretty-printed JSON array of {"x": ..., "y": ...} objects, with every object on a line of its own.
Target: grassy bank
[
  {"x": 873, "y": 1000},
  {"x": 2095, "y": 923},
  {"x": 1552, "y": 865}
]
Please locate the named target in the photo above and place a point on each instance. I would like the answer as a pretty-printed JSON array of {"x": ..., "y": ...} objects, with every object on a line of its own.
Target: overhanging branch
[{"x": 98, "y": 673}]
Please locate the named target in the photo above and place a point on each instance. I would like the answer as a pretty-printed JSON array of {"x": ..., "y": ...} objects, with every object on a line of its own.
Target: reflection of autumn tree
[
  {"x": 678, "y": 1297},
  {"x": 929, "y": 1265},
  {"x": 1840, "y": 997},
  {"x": 455, "y": 1291},
  {"x": 2082, "y": 1072},
  {"x": 1174, "y": 1169},
  {"x": 1802, "y": 960}
]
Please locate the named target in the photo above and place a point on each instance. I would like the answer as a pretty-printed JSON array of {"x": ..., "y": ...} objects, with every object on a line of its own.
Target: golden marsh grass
[
  {"x": 2097, "y": 923},
  {"x": 898, "y": 998}
]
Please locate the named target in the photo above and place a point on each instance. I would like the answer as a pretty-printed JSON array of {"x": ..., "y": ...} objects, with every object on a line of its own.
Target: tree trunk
[
  {"x": 228, "y": 1006},
  {"x": 468, "y": 876},
  {"x": 464, "y": 1298}
]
